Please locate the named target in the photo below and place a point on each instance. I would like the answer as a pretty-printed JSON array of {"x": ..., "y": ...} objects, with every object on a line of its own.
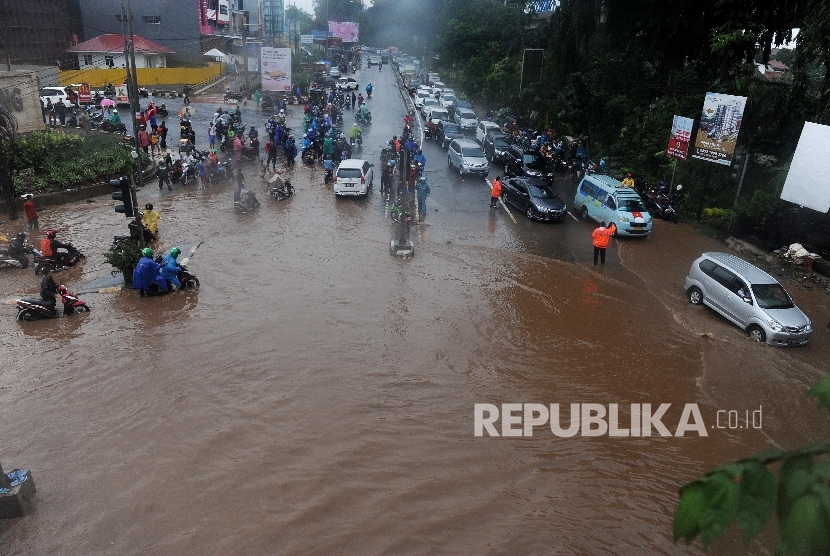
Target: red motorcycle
[
  {"x": 60, "y": 260},
  {"x": 37, "y": 309}
]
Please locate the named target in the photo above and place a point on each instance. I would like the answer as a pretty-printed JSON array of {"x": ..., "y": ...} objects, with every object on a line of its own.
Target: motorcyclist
[
  {"x": 364, "y": 111},
  {"x": 360, "y": 100},
  {"x": 18, "y": 248},
  {"x": 170, "y": 268},
  {"x": 115, "y": 119},
  {"x": 49, "y": 245},
  {"x": 253, "y": 133},
  {"x": 328, "y": 165},
  {"x": 368, "y": 89},
  {"x": 48, "y": 287},
  {"x": 355, "y": 132},
  {"x": 147, "y": 272},
  {"x": 151, "y": 218},
  {"x": 420, "y": 159}
]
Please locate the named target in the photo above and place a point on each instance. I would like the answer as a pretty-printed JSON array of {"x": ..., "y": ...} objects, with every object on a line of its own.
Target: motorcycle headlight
[{"x": 774, "y": 325}]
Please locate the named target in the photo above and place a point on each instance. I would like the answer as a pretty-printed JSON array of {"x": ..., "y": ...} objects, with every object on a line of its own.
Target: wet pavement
[{"x": 316, "y": 395}]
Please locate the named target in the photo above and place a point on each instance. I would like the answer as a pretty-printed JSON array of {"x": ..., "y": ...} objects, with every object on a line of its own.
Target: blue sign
[{"x": 320, "y": 35}]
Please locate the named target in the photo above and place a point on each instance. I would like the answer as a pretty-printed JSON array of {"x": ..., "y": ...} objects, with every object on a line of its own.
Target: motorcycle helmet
[
  {"x": 422, "y": 179},
  {"x": 51, "y": 234},
  {"x": 679, "y": 187},
  {"x": 392, "y": 163},
  {"x": 149, "y": 206},
  {"x": 147, "y": 252},
  {"x": 175, "y": 252},
  {"x": 21, "y": 236}
]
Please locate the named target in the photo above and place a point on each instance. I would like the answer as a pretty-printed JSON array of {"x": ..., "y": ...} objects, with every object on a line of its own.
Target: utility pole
[
  {"x": 132, "y": 96},
  {"x": 738, "y": 193}
]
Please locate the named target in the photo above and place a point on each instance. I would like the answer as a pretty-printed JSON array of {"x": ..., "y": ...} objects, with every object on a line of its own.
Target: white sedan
[{"x": 420, "y": 96}]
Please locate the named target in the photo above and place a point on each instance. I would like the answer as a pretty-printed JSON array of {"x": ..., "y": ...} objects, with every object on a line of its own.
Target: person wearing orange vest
[
  {"x": 601, "y": 236},
  {"x": 495, "y": 192}
]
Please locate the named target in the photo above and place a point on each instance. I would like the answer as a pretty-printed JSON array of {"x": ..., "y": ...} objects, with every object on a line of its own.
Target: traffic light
[{"x": 125, "y": 196}]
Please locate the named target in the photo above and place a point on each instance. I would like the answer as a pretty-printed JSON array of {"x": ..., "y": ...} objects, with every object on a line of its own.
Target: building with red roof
[{"x": 107, "y": 51}]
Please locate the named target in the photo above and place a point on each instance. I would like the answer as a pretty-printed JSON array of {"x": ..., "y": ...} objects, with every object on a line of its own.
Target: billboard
[
  {"x": 222, "y": 14},
  {"x": 347, "y": 31},
  {"x": 681, "y": 132},
  {"x": 806, "y": 182},
  {"x": 720, "y": 123},
  {"x": 276, "y": 69}
]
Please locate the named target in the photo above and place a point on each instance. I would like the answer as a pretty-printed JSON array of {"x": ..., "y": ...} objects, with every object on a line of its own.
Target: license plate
[{"x": 349, "y": 185}]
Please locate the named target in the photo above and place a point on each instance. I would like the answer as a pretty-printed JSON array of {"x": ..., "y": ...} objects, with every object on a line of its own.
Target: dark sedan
[
  {"x": 446, "y": 132},
  {"x": 534, "y": 197},
  {"x": 496, "y": 144}
]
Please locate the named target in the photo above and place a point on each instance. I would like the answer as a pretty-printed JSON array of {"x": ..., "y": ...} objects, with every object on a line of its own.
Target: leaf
[
  {"x": 767, "y": 456},
  {"x": 821, "y": 390},
  {"x": 806, "y": 529},
  {"x": 722, "y": 497},
  {"x": 759, "y": 489},
  {"x": 689, "y": 511},
  {"x": 796, "y": 478}
]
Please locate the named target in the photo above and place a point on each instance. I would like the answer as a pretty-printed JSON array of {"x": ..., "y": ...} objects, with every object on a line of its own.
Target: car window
[
  {"x": 707, "y": 267},
  {"x": 772, "y": 296},
  {"x": 365, "y": 167},
  {"x": 632, "y": 205},
  {"x": 724, "y": 277},
  {"x": 612, "y": 204},
  {"x": 349, "y": 173},
  {"x": 520, "y": 187},
  {"x": 452, "y": 128},
  {"x": 542, "y": 192},
  {"x": 467, "y": 114},
  {"x": 533, "y": 160},
  {"x": 601, "y": 195},
  {"x": 588, "y": 189},
  {"x": 472, "y": 152}
]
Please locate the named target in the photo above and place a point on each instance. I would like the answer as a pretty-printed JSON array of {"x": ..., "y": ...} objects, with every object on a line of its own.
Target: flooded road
[{"x": 316, "y": 396}]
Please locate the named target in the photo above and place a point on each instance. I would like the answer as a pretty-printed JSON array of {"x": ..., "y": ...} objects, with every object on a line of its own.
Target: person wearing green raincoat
[{"x": 257, "y": 97}]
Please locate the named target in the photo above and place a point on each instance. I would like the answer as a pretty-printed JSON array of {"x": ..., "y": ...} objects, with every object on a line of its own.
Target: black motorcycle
[
  {"x": 186, "y": 279},
  {"x": 662, "y": 206},
  {"x": 162, "y": 111},
  {"x": 106, "y": 125},
  {"x": 60, "y": 260},
  {"x": 328, "y": 176},
  {"x": 16, "y": 256},
  {"x": 282, "y": 193},
  {"x": 245, "y": 203}
]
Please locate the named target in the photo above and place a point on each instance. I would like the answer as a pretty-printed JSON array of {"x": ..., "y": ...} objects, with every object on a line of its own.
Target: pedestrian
[
  {"x": 144, "y": 140},
  {"x": 495, "y": 192},
  {"x": 202, "y": 172},
  {"x": 290, "y": 151},
  {"x": 240, "y": 179},
  {"x": 162, "y": 131},
  {"x": 150, "y": 218},
  {"x": 257, "y": 97},
  {"x": 212, "y": 135},
  {"x": 31, "y": 212},
  {"x": 50, "y": 108},
  {"x": 61, "y": 110},
  {"x": 423, "y": 192},
  {"x": 43, "y": 110},
  {"x": 154, "y": 141},
  {"x": 164, "y": 176},
  {"x": 271, "y": 152},
  {"x": 237, "y": 148},
  {"x": 85, "y": 122},
  {"x": 601, "y": 236},
  {"x": 186, "y": 93}
]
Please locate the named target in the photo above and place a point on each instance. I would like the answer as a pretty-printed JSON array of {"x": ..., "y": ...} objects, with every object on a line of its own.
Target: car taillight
[
  {"x": 335, "y": 179},
  {"x": 362, "y": 179}
]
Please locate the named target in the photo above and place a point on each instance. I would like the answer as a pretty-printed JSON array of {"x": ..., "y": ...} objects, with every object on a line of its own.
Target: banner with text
[
  {"x": 720, "y": 123},
  {"x": 681, "y": 133},
  {"x": 276, "y": 69},
  {"x": 348, "y": 31}
]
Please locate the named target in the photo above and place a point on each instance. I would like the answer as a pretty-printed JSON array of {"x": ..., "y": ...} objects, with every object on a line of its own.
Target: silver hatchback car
[{"x": 749, "y": 297}]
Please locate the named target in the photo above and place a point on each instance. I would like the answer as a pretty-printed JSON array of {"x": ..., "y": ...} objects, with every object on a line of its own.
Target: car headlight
[
  {"x": 808, "y": 328},
  {"x": 774, "y": 325},
  {"x": 623, "y": 219},
  {"x": 534, "y": 173},
  {"x": 540, "y": 208}
]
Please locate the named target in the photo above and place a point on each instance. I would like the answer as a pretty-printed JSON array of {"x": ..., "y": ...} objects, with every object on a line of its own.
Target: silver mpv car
[{"x": 749, "y": 297}]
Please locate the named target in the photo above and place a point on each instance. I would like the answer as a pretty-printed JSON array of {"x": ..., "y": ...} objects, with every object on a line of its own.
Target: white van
[
  {"x": 483, "y": 128},
  {"x": 353, "y": 177},
  {"x": 438, "y": 113},
  {"x": 604, "y": 199}
]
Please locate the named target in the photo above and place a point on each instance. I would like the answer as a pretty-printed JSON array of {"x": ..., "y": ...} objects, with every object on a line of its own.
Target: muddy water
[{"x": 316, "y": 396}]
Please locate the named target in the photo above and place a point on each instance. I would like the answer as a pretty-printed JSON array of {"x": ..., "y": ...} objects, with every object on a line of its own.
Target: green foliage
[
  {"x": 748, "y": 493},
  {"x": 124, "y": 257}
]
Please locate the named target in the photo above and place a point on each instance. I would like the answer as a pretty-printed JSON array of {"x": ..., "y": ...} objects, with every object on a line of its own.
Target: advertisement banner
[
  {"x": 306, "y": 39},
  {"x": 84, "y": 94},
  {"x": 347, "y": 31},
  {"x": 276, "y": 69},
  {"x": 681, "y": 133},
  {"x": 121, "y": 96},
  {"x": 720, "y": 123}
]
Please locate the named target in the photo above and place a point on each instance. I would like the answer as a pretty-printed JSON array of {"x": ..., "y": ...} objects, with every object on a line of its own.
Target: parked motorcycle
[
  {"x": 60, "y": 260},
  {"x": 15, "y": 256},
  {"x": 282, "y": 193},
  {"x": 246, "y": 203},
  {"x": 662, "y": 206},
  {"x": 186, "y": 278},
  {"x": 37, "y": 309},
  {"x": 162, "y": 111}
]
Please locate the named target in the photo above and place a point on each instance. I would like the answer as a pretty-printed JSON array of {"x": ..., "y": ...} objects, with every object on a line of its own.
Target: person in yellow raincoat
[{"x": 151, "y": 218}]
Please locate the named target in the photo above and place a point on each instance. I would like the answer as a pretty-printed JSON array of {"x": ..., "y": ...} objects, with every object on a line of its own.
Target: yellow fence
[{"x": 147, "y": 77}]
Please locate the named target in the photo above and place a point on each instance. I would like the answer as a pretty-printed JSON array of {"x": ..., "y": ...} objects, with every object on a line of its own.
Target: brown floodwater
[{"x": 316, "y": 395}]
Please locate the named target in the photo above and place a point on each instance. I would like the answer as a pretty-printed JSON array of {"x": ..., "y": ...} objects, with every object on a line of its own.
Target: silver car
[{"x": 749, "y": 297}]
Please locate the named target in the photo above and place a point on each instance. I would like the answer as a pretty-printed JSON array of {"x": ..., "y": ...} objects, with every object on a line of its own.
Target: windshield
[
  {"x": 501, "y": 144},
  {"x": 541, "y": 192},
  {"x": 349, "y": 173},
  {"x": 430, "y": 101},
  {"x": 453, "y": 129},
  {"x": 533, "y": 160},
  {"x": 631, "y": 205},
  {"x": 438, "y": 115},
  {"x": 448, "y": 98},
  {"x": 423, "y": 94},
  {"x": 472, "y": 152},
  {"x": 772, "y": 296},
  {"x": 468, "y": 115}
]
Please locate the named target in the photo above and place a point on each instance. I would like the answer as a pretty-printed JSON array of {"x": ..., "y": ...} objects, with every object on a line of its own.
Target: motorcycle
[
  {"x": 37, "y": 309},
  {"x": 16, "y": 254},
  {"x": 72, "y": 120},
  {"x": 222, "y": 174},
  {"x": 143, "y": 92},
  {"x": 162, "y": 111},
  {"x": 368, "y": 93},
  {"x": 186, "y": 279},
  {"x": 328, "y": 176},
  {"x": 663, "y": 206},
  {"x": 247, "y": 203},
  {"x": 282, "y": 193},
  {"x": 58, "y": 261},
  {"x": 401, "y": 216},
  {"x": 577, "y": 172},
  {"x": 358, "y": 117},
  {"x": 233, "y": 96},
  {"x": 106, "y": 125}
]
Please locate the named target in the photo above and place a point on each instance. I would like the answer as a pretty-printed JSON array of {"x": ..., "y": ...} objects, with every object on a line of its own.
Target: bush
[{"x": 716, "y": 217}]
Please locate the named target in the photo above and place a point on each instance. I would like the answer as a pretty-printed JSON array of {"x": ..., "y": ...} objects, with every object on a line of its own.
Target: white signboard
[
  {"x": 276, "y": 69},
  {"x": 806, "y": 183},
  {"x": 307, "y": 39}
]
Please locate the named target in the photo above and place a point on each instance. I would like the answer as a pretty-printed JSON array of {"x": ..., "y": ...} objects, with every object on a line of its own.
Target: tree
[{"x": 746, "y": 491}]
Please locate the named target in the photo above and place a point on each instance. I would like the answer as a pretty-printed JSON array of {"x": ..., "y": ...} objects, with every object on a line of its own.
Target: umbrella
[
  {"x": 216, "y": 53},
  {"x": 107, "y": 102},
  {"x": 189, "y": 111}
]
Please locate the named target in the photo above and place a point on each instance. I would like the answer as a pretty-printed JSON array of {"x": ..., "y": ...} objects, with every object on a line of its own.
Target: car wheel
[
  {"x": 695, "y": 295},
  {"x": 585, "y": 213},
  {"x": 460, "y": 169},
  {"x": 449, "y": 162},
  {"x": 529, "y": 212},
  {"x": 756, "y": 333}
]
